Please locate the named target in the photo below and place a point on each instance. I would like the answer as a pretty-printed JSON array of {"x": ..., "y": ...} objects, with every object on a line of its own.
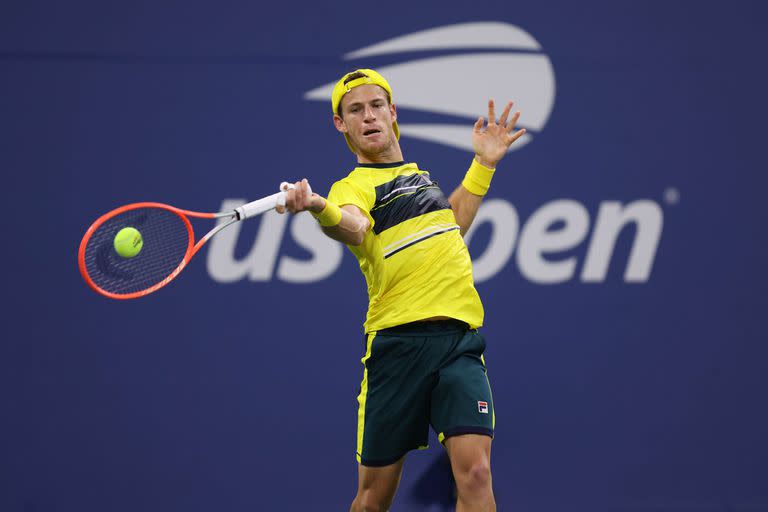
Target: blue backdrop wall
[{"x": 620, "y": 253}]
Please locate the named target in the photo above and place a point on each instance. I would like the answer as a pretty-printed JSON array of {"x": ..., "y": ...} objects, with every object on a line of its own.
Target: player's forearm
[
  {"x": 464, "y": 205},
  {"x": 342, "y": 224},
  {"x": 466, "y": 199},
  {"x": 350, "y": 231}
]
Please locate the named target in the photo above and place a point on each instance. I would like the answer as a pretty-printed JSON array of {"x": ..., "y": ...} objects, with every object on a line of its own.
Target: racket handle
[
  {"x": 265, "y": 204},
  {"x": 260, "y": 206}
]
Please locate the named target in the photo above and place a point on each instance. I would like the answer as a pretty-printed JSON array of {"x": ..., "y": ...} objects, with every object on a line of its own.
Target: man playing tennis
[{"x": 423, "y": 363}]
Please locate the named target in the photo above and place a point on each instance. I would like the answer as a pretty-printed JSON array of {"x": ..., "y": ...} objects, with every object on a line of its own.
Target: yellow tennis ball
[{"x": 128, "y": 242}]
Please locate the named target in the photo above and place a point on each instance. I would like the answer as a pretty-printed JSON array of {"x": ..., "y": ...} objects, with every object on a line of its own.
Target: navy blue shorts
[{"x": 417, "y": 375}]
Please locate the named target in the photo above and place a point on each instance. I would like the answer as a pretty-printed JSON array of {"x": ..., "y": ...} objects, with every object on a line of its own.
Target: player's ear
[
  {"x": 393, "y": 110},
  {"x": 339, "y": 123}
]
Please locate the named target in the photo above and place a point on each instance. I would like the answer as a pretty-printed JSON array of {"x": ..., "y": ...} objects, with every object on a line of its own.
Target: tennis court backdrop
[{"x": 620, "y": 252}]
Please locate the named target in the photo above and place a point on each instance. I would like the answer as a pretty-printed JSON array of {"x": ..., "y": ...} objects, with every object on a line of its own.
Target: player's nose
[{"x": 370, "y": 113}]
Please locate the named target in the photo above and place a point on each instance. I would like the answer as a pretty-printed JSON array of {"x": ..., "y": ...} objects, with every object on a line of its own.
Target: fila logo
[
  {"x": 482, "y": 407},
  {"x": 446, "y": 85}
]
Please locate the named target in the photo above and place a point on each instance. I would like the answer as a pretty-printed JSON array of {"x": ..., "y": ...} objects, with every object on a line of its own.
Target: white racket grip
[
  {"x": 265, "y": 204},
  {"x": 260, "y": 206}
]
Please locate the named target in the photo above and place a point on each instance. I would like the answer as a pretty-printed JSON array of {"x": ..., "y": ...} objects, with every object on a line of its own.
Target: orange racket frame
[{"x": 243, "y": 212}]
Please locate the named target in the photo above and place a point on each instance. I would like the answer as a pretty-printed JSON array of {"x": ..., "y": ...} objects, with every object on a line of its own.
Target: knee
[
  {"x": 475, "y": 479},
  {"x": 368, "y": 501}
]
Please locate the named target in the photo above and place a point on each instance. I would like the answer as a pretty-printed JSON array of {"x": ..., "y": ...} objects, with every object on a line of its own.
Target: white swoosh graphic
[
  {"x": 460, "y": 85},
  {"x": 463, "y": 35},
  {"x": 451, "y": 135},
  {"x": 526, "y": 79}
]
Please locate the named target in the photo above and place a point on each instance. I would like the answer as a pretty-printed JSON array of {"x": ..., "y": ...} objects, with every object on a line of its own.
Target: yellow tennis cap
[{"x": 369, "y": 77}]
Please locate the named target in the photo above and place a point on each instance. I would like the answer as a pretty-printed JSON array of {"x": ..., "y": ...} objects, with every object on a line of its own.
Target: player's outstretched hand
[
  {"x": 301, "y": 198},
  {"x": 491, "y": 144}
]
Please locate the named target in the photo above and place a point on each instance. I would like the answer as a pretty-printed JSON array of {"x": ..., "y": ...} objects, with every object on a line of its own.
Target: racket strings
[{"x": 165, "y": 243}]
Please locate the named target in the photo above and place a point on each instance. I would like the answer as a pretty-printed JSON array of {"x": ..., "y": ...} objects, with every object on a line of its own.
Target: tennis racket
[{"x": 167, "y": 244}]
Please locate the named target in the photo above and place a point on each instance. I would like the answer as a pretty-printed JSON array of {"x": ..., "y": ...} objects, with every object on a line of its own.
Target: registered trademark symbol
[{"x": 671, "y": 196}]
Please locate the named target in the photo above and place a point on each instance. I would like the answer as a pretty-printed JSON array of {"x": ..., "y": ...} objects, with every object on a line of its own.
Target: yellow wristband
[
  {"x": 478, "y": 178},
  {"x": 329, "y": 216}
]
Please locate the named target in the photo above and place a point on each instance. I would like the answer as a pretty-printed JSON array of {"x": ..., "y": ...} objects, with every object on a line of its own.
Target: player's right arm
[{"x": 350, "y": 229}]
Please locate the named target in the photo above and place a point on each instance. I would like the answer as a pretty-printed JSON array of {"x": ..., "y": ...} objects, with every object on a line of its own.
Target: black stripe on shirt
[
  {"x": 404, "y": 198},
  {"x": 419, "y": 240}
]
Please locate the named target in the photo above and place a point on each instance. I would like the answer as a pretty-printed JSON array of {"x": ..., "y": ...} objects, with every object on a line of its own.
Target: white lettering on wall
[
  {"x": 611, "y": 219},
  {"x": 555, "y": 228},
  {"x": 539, "y": 238}
]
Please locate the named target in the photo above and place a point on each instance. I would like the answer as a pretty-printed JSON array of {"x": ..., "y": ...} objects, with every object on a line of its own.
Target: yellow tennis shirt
[{"x": 413, "y": 258}]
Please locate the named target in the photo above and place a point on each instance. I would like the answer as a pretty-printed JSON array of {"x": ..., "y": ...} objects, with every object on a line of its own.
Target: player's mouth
[{"x": 371, "y": 132}]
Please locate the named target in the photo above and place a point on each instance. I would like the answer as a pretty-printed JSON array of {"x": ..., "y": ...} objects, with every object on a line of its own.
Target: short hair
[{"x": 355, "y": 76}]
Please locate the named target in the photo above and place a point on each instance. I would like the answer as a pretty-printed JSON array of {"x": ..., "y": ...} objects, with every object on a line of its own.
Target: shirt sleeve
[{"x": 349, "y": 191}]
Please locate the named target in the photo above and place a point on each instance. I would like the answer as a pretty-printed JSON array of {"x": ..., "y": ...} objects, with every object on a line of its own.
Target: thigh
[
  {"x": 393, "y": 412},
  {"x": 461, "y": 401}
]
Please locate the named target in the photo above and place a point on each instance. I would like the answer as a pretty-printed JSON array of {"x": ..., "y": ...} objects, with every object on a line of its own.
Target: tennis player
[{"x": 423, "y": 363}]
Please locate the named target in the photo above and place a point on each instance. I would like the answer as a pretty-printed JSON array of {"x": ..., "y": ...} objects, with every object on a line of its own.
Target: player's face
[{"x": 367, "y": 119}]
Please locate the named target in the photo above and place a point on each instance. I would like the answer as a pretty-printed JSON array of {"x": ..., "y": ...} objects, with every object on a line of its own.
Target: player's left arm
[{"x": 490, "y": 145}]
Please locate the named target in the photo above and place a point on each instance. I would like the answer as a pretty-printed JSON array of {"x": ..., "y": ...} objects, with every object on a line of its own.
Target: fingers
[
  {"x": 297, "y": 199},
  {"x": 290, "y": 199},
  {"x": 301, "y": 195},
  {"x": 517, "y": 135},
  {"x": 491, "y": 113},
  {"x": 513, "y": 121},
  {"x": 509, "y": 126},
  {"x": 479, "y": 124},
  {"x": 503, "y": 118}
]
